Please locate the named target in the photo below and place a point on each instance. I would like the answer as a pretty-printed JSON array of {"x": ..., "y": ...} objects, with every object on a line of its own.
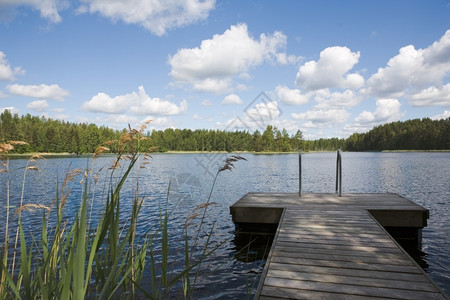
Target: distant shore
[{"x": 67, "y": 154}]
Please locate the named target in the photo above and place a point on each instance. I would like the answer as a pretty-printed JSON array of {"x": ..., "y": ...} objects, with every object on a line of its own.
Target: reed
[{"x": 101, "y": 259}]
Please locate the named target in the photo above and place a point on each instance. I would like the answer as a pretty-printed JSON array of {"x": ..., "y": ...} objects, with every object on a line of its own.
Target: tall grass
[{"x": 103, "y": 259}]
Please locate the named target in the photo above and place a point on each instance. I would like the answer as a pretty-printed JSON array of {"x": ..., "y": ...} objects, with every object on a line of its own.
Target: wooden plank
[
  {"x": 345, "y": 265},
  {"x": 363, "y": 281},
  {"x": 269, "y": 293},
  {"x": 349, "y": 289},
  {"x": 412, "y": 277},
  {"x": 317, "y": 245},
  {"x": 335, "y": 248},
  {"x": 392, "y": 260},
  {"x": 306, "y": 249}
]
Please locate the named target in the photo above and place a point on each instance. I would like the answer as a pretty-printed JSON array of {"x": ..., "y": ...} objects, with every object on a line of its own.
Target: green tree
[{"x": 268, "y": 138}]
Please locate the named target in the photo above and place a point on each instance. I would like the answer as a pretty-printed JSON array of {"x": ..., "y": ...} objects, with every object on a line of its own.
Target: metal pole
[
  {"x": 300, "y": 172},
  {"x": 339, "y": 173}
]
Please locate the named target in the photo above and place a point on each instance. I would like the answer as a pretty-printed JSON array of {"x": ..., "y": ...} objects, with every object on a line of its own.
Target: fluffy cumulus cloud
[
  {"x": 432, "y": 96},
  {"x": 11, "y": 109},
  {"x": 42, "y": 91},
  {"x": 115, "y": 120},
  {"x": 138, "y": 103},
  {"x": 232, "y": 99},
  {"x": 345, "y": 99},
  {"x": 444, "y": 115},
  {"x": 6, "y": 72},
  {"x": 256, "y": 117},
  {"x": 291, "y": 96},
  {"x": 38, "y": 105},
  {"x": 387, "y": 110},
  {"x": 49, "y": 9},
  {"x": 263, "y": 112},
  {"x": 320, "y": 118},
  {"x": 413, "y": 70},
  {"x": 156, "y": 106},
  {"x": 112, "y": 105},
  {"x": 157, "y": 16},
  {"x": 212, "y": 66},
  {"x": 331, "y": 70},
  {"x": 161, "y": 122}
]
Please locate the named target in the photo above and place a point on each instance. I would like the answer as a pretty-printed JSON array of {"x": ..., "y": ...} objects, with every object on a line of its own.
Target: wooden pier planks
[{"x": 330, "y": 247}]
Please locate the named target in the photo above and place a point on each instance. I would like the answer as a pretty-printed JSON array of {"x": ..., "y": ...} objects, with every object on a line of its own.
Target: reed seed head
[
  {"x": 229, "y": 162},
  {"x": 31, "y": 207},
  {"x": 99, "y": 151}
]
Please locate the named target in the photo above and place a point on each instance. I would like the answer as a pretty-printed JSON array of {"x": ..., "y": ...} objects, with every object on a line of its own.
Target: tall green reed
[{"x": 73, "y": 260}]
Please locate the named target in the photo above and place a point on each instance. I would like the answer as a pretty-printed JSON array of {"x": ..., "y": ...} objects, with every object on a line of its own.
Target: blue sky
[{"x": 328, "y": 68}]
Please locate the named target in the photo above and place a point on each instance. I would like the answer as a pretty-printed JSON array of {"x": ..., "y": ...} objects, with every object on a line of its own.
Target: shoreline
[{"x": 67, "y": 154}]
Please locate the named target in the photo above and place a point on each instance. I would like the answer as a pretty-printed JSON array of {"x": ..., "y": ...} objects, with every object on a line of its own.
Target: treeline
[
  {"x": 55, "y": 136},
  {"x": 272, "y": 139},
  {"x": 52, "y": 136},
  {"x": 417, "y": 134}
]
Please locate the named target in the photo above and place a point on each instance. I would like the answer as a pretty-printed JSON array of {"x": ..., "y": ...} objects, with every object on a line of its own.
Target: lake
[{"x": 233, "y": 270}]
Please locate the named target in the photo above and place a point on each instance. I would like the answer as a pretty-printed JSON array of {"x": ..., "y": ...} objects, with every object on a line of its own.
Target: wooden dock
[{"x": 330, "y": 247}]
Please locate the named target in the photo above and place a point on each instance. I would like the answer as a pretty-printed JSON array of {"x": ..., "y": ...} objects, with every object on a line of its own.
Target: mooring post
[
  {"x": 339, "y": 173},
  {"x": 300, "y": 172}
]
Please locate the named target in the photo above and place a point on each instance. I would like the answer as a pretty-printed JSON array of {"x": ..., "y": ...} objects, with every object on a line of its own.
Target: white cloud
[
  {"x": 42, "y": 91},
  {"x": 242, "y": 87},
  {"x": 196, "y": 117},
  {"x": 320, "y": 118},
  {"x": 137, "y": 103},
  {"x": 412, "y": 69},
  {"x": 6, "y": 72},
  {"x": 327, "y": 100},
  {"x": 161, "y": 122},
  {"x": 432, "y": 96},
  {"x": 264, "y": 111},
  {"x": 118, "y": 121},
  {"x": 58, "y": 110},
  {"x": 156, "y": 106},
  {"x": 38, "y": 105},
  {"x": 61, "y": 117},
  {"x": 387, "y": 110},
  {"x": 290, "y": 125},
  {"x": 157, "y": 16},
  {"x": 257, "y": 117},
  {"x": 291, "y": 96},
  {"x": 213, "y": 85},
  {"x": 444, "y": 115},
  {"x": 285, "y": 59},
  {"x": 331, "y": 70},
  {"x": 2, "y": 95},
  {"x": 11, "y": 109},
  {"x": 211, "y": 66},
  {"x": 49, "y": 9},
  {"x": 232, "y": 99},
  {"x": 104, "y": 103},
  {"x": 250, "y": 124}
]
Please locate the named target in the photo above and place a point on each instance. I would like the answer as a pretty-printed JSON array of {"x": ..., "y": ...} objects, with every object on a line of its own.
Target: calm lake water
[{"x": 233, "y": 272}]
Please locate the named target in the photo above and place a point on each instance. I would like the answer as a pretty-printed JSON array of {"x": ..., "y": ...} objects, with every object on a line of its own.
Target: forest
[
  {"x": 417, "y": 134},
  {"x": 55, "y": 136}
]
